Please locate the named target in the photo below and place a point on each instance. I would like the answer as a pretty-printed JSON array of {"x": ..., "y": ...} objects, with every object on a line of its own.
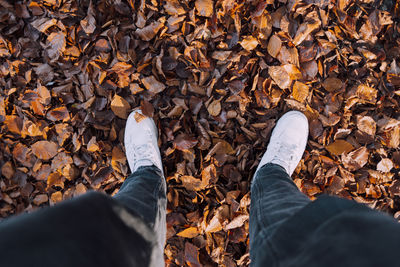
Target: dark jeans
[
  {"x": 286, "y": 229},
  {"x": 94, "y": 229}
]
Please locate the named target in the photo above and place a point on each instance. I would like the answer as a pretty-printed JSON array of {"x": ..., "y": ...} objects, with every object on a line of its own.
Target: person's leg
[
  {"x": 144, "y": 191},
  {"x": 144, "y": 194},
  {"x": 274, "y": 196}
]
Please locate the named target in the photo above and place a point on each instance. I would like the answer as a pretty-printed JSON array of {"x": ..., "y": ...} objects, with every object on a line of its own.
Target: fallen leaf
[
  {"x": 355, "y": 160},
  {"x": 300, "y": 91},
  {"x": 249, "y": 43},
  {"x": 40, "y": 199},
  {"x": 332, "y": 84},
  {"x": 150, "y": 31},
  {"x": 367, "y": 93},
  {"x": 189, "y": 232},
  {"x": 44, "y": 150},
  {"x": 214, "y": 109},
  {"x": 174, "y": 8},
  {"x": 153, "y": 85},
  {"x": 280, "y": 76},
  {"x": 366, "y": 124},
  {"x": 274, "y": 46},
  {"x": 192, "y": 255},
  {"x": 120, "y": 107},
  {"x": 58, "y": 114},
  {"x": 184, "y": 142},
  {"x": 204, "y": 8},
  {"x": 236, "y": 222},
  {"x": 385, "y": 165},
  {"x": 43, "y": 24},
  {"x": 7, "y": 170},
  {"x": 339, "y": 146},
  {"x": 55, "y": 45}
]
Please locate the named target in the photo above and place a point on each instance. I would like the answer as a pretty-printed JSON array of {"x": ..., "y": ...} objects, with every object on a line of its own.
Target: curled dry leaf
[
  {"x": 249, "y": 43},
  {"x": 44, "y": 150},
  {"x": 58, "y": 114},
  {"x": 339, "y": 146},
  {"x": 189, "y": 232},
  {"x": 7, "y": 170},
  {"x": 153, "y": 85},
  {"x": 385, "y": 165},
  {"x": 355, "y": 160},
  {"x": 300, "y": 91},
  {"x": 366, "y": 124},
  {"x": 120, "y": 107},
  {"x": 174, "y": 8},
  {"x": 184, "y": 142},
  {"x": 40, "y": 199},
  {"x": 274, "y": 45},
  {"x": 55, "y": 45},
  {"x": 280, "y": 76},
  {"x": 366, "y": 92},
  {"x": 192, "y": 255},
  {"x": 150, "y": 31},
  {"x": 332, "y": 84},
  {"x": 204, "y": 8},
  {"x": 214, "y": 109},
  {"x": 43, "y": 24},
  {"x": 306, "y": 29}
]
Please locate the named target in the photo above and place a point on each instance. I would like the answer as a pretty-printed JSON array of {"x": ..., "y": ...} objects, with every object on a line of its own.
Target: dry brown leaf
[
  {"x": 189, "y": 232},
  {"x": 120, "y": 107},
  {"x": 174, "y": 8},
  {"x": 191, "y": 183},
  {"x": 385, "y": 165},
  {"x": 280, "y": 76},
  {"x": 7, "y": 170},
  {"x": 92, "y": 145},
  {"x": 366, "y": 124},
  {"x": 306, "y": 29},
  {"x": 44, "y": 150},
  {"x": 355, "y": 160},
  {"x": 214, "y": 224},
  {"x": 300, "y": 91},
  {"x": 204, "y": 8},
  {"x": 89, "y": 22},
  {"x": 14, "y": 124},
  {"x": 249, "y": 43},
  {"x": 43, "y": 24},
  {"x": 150, "y": 31},
  {"x": 184, "y": 142},
  {"x": 58, "y": 114},
  {"x": 56, "y": 197},
  {"x": 214, "y": 109},
  {"x": 153, "y": 85},
  {"x": 367, "y": 93},
  {"x": 274, "y": 45},
  {"x": 236, "y": 222},
  {"x": 40, "y": 199},
  {"x": 55, "y": 45},
  {"x": 332, "y": 84},
  {"x": 339, "y": 146}
]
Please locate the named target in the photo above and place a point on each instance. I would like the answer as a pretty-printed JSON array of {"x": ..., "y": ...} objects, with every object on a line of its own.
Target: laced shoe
[
  {"x": 141, "y": 141},
  {"x": 288, "y": 142}
]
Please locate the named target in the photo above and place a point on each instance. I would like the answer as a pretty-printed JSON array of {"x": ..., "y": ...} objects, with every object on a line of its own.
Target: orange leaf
[{"x": 189, "y": 232}]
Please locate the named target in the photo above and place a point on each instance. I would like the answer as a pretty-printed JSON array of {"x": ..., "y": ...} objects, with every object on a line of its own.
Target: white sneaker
[
  {"x": 141, "y": 141},
  {"x": 288, "y": 142}
]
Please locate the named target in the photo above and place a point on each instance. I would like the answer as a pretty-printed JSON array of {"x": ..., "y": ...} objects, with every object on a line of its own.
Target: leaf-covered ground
[{"x": 215, "y": 75}]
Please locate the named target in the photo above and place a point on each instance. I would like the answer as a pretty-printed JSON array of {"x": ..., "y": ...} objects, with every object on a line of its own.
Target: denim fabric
[
  {"x": 274, "y": 199},
  {"x": 93, "y": 230},
  {"x": 144, "y": 193}
]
